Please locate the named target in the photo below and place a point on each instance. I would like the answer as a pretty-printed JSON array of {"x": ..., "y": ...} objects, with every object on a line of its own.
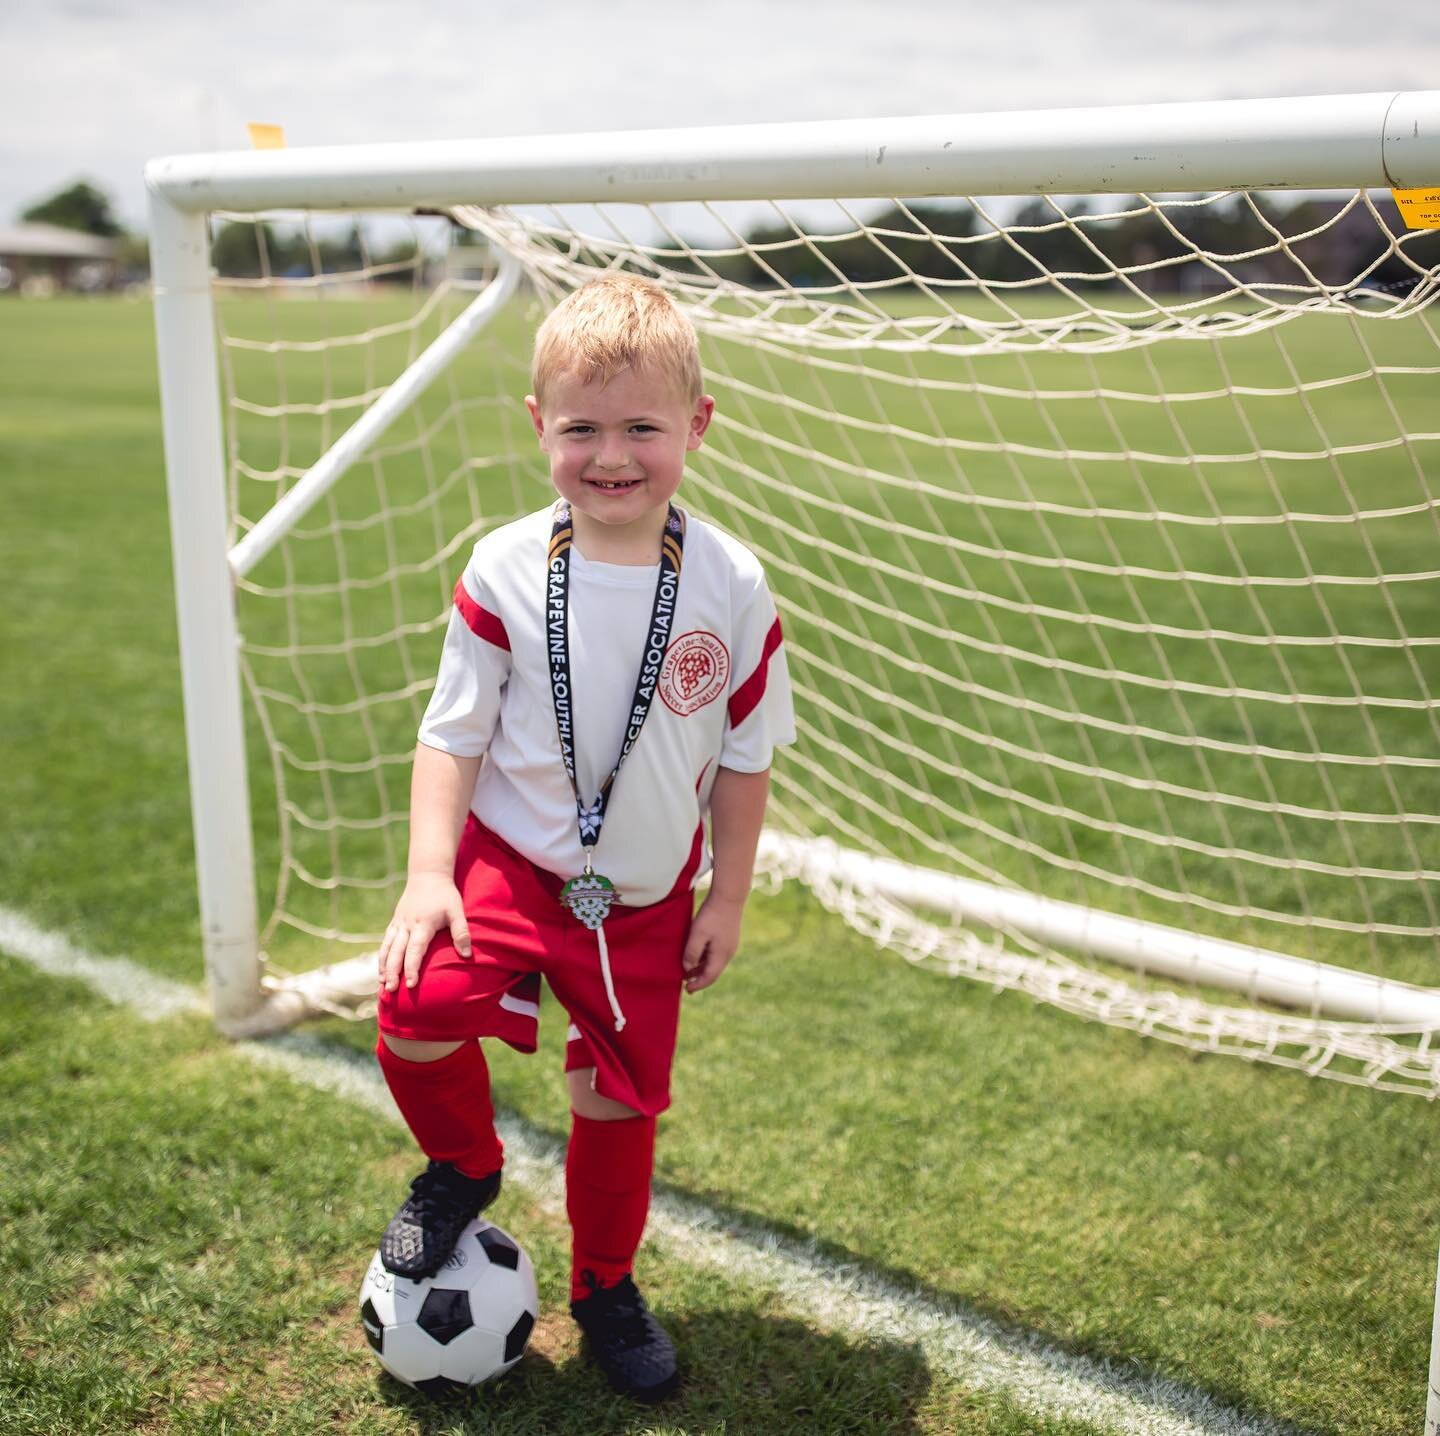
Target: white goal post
[{"x": 1093, "y": 455}]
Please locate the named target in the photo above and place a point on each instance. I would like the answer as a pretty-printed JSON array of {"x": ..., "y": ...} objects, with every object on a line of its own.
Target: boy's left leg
[
  {"x": 608, "y": 1168},
  {"x": 618, "y": 1058}
]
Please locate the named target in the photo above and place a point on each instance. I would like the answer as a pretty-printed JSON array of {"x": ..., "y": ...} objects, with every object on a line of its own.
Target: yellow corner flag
[
  {"x": 266, "y": 137},
  {"x": 1419, "y": 208}
]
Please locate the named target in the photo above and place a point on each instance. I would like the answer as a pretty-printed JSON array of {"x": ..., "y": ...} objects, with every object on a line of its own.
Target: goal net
[{"x": 1103, "y": 533}]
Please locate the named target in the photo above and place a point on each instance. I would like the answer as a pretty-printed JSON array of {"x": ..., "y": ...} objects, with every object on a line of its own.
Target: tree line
[
  {"x": 83, "y": 207},
  {"x": 904, "y": 245},
  {"x": 1161, "y": 248}
]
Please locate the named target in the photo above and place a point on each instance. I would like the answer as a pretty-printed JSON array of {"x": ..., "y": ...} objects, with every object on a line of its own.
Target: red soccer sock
[
  {"x": 607, "y": 1195},
  {"x": 446, "y": 1105}
]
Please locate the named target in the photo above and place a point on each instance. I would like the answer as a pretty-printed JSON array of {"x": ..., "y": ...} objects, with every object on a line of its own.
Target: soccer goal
[{"x": 1093, "y": 456}]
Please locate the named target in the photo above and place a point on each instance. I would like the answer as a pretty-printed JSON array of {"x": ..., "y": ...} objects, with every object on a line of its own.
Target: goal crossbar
[{"x": 1306, "y": 142}]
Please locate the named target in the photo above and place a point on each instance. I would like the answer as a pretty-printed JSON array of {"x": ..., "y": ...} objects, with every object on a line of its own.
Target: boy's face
[{"x": 617, "y": 450}]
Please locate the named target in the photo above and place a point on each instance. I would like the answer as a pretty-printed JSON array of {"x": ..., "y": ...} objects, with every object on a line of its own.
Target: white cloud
[{"x": 96, "y": 89}]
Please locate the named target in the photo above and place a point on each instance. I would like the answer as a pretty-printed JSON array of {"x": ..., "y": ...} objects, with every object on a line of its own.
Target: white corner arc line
[{"x": 838, "y": 1296}]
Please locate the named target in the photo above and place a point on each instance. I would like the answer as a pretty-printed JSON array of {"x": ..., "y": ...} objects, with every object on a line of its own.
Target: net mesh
[{"x": 1104, "y": 540}]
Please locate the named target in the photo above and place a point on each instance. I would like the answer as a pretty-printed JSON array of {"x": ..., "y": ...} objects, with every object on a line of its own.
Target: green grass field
[{"x": 183, "y": 1234}]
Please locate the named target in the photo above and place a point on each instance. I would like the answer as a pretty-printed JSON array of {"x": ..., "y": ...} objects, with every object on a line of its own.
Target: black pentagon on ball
[
  {"x": 374, "y": 1327},
  {"x": 445, "y": 1314},
  {"x": 441, "y": 1386},
  {"x": 499, "y": 1248},
  {"x": 519, "y": 1335}
]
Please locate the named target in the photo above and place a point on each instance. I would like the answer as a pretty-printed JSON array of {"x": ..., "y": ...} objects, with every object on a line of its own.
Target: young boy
[{"x": 612, "y": 672}]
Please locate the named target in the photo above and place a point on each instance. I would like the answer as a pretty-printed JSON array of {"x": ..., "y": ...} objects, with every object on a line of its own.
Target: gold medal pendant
[{"x": 589, "y": 897}]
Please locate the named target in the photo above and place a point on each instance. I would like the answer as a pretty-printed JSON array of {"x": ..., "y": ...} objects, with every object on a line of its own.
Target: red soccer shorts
[{"x": 519, "y": 932}]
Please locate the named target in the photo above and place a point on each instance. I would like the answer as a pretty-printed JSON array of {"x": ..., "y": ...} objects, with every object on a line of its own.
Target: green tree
[
  {"x": 81, "y": 207},
  {"x": 236, "y": 250}
]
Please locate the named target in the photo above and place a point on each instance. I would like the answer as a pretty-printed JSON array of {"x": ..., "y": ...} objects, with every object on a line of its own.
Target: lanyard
[{"x": 557, "y": 640}]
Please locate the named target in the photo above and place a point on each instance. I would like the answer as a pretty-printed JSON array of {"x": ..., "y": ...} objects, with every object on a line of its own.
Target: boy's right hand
[{"x": 430, "y": 902}]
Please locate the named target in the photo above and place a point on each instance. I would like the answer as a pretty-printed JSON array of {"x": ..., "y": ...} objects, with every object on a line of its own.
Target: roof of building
[{"x": 51, "y": 241}]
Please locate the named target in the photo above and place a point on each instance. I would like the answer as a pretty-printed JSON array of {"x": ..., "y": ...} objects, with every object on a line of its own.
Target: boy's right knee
[{"x": 413, "y": 1051}]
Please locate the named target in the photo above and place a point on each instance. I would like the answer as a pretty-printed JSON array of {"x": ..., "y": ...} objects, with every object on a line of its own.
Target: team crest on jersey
[{"x": 696, "y": 671}]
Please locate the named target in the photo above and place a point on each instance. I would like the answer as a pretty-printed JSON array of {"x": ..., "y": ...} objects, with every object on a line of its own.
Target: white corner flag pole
[{"x": 1432, "y": 1400}]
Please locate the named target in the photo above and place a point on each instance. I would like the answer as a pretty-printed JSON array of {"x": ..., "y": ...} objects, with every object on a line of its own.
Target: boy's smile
[{"x": 617, "y": 454}]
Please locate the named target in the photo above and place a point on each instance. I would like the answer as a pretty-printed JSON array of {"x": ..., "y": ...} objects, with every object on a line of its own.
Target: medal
[{"x": 590, "y": 896}]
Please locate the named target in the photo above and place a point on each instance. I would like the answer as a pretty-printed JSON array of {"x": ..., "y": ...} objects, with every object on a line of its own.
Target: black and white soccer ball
[{"x": 466, "y": 1324}]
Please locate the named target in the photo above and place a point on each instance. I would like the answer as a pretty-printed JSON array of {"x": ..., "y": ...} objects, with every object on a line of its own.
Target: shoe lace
[{"x": 436, "y": 1192}]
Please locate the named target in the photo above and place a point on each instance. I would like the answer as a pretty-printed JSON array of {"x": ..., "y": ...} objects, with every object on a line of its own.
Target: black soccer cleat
[
  {"x": 423, "y": 1233},
  {"x": 627, "y": 1343}
]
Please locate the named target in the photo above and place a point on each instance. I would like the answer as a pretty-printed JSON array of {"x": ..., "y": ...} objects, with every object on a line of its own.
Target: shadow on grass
[
  {"x": 743, "y": 1371},
  {"x": 758, "y": 1227},
  {"x": 707, "y": 1208}
]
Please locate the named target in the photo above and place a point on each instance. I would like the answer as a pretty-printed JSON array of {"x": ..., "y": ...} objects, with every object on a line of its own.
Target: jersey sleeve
[
  {"x": 761, "y": 713},
  {"x": 474, "y": 666}
]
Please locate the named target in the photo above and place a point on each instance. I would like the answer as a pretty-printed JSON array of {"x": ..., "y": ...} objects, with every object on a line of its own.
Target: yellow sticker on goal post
[
  {"x": 266, "y": 137},
  {"x": 1419, "y": 208}
]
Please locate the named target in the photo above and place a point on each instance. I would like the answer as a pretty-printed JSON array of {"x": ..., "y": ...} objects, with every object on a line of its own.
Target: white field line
[
  {"x": 838, "y": 1296},
  {"x": 116, "y": 979}
]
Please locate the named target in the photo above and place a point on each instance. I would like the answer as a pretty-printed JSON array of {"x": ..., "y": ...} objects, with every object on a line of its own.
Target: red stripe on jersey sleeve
[
  {"x": 480, "y": 621},
  {"x": 745, "y": 698}
]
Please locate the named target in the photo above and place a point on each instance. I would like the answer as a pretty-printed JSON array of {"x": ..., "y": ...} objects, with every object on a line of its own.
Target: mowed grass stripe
[{"x": 838, "y": 1297}]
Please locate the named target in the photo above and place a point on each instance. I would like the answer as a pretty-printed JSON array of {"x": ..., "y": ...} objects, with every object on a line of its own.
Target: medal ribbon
[{"x": 557, "y": 640}]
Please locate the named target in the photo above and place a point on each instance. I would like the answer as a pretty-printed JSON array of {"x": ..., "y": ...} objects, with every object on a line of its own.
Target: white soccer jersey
[{"x": 723, "y": 700}]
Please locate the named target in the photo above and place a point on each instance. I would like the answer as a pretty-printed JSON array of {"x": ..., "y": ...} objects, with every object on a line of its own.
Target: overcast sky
[{"x": 92, "y": 89}]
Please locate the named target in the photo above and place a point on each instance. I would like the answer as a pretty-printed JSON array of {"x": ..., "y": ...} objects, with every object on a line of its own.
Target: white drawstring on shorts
[{"x": 609, "y": 981}]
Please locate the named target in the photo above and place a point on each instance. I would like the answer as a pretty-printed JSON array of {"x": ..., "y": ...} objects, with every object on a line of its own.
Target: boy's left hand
[{"x": 714, "y": 936}]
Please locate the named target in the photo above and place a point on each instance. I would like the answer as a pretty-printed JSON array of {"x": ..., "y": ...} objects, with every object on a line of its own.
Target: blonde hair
[{"x": 618, "y": 321}]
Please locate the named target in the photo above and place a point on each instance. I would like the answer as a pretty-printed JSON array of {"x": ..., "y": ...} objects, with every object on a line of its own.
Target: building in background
[{"x": 41, "y": 259}]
